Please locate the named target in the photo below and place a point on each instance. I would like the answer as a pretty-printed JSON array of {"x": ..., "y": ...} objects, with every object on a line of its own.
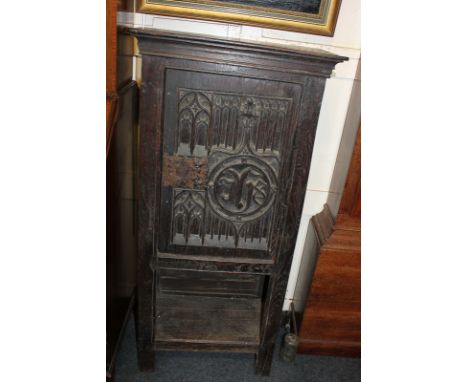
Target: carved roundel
[{"x": 241, "y": 188}]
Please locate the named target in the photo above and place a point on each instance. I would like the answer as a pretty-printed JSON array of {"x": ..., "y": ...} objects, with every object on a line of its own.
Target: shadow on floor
[{"x": 230, "y": 367}]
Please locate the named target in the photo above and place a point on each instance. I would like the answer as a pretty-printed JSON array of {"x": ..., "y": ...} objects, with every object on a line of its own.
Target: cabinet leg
[
  {"x": 143, "y": 325},
  {"x": 146, "y": 360},
  {"x": 264, "y": 360}
]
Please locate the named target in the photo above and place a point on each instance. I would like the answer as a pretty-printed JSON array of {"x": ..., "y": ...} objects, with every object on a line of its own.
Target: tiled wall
[
  {"x": 346, "y": 42},
  {"x": 335, "y": 190}
]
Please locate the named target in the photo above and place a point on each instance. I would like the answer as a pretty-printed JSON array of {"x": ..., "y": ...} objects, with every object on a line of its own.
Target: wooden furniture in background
[
  {"x": 111, "y": 69},
  {"x": 121, "y": 106},
  {"x": 226, "y": 136},
  {"x": 331, "y": 322}
]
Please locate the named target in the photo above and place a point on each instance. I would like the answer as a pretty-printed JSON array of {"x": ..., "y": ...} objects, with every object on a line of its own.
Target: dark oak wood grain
[
  {"x": 208, "y": 320},
  {"x": 227, "y": 130}
]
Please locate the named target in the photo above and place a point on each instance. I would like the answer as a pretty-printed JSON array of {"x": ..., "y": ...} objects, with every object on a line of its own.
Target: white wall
[
  {"x": 335, "y": 191},
  {"x": 346, "y": 42}
]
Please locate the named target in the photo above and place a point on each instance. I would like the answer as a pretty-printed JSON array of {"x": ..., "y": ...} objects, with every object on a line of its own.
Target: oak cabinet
[{"x": 226, "y": 136}]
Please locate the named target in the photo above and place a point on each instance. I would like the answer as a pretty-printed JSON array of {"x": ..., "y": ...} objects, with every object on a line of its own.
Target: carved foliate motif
[{"x": 241, "y": 187}]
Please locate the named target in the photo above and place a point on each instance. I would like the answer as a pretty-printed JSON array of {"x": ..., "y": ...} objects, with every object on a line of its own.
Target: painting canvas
[
  {"x": 308, "y": 16},
  {"x": 307, "y": 6}
]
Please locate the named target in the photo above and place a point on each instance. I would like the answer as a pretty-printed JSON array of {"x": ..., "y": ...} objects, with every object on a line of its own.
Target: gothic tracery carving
[{"x": 241, "y": 138}]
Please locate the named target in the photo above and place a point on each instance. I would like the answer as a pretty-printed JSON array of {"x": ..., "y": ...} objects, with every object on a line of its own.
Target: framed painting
[{"x": 307, "y": 16}]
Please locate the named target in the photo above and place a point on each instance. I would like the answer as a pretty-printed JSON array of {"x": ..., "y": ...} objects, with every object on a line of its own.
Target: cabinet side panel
[
  {"x": 289, "y": 219},
  {"x": 148, "y": 195}
]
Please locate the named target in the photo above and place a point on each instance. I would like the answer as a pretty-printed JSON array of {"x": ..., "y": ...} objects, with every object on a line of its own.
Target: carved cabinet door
[{"x": 226, "y": 160}]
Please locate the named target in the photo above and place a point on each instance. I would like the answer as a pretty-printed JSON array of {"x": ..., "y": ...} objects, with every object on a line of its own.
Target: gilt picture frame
[{"x": 306, "y": 16}]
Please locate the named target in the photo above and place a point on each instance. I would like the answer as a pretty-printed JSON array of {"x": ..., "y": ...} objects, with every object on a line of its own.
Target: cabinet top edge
[{"x": 297, "y": 53}]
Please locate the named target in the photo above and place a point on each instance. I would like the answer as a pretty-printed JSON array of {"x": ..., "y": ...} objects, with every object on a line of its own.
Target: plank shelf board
[{"x": 208, "y": 321}]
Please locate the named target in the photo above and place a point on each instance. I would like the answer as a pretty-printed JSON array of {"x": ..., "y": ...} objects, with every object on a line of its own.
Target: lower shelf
[{"x": 207, "y": 323}]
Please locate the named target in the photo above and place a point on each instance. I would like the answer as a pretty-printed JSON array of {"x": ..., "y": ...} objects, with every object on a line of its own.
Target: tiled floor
[{"x": 230, "y": 367}]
